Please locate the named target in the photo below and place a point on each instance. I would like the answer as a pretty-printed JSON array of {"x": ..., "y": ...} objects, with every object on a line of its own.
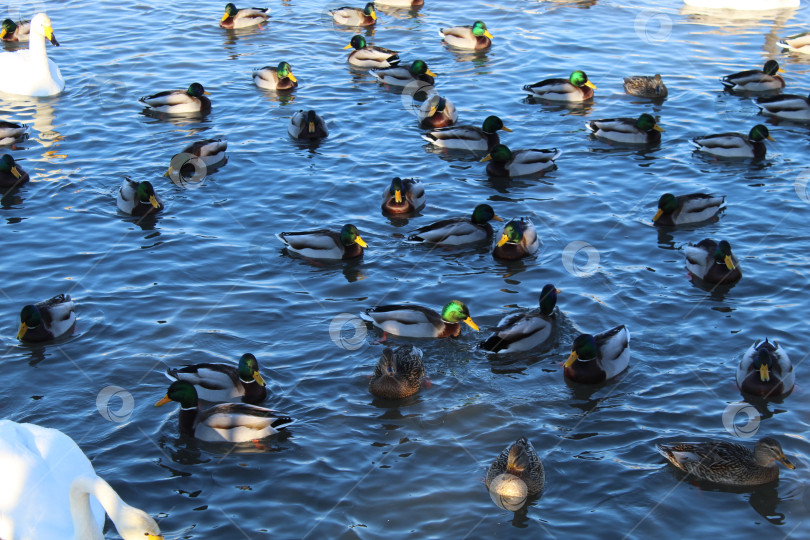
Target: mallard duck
[
  {"x": 518, "y": 240},
  {"x": 307, "y": 125},
  {"x": 728, "y": 463},
  {"x": 352, "y": 16},
  {"x": 224, "y": 382},
  {"x": 595, "y": 359},
  {"x": 242, "y": 18},
  {"x": 403, "y": 76},
  {"x": 786, "y": 106},
  {"x": 398, "y": 374},
  {"x": 11, "y": 132},
  {"x": 765, "y": 370},
  {"x": 576, "y": 88},
  {"x": 713, "y": 262},
  {"x": 505, "y": 162},
  {"x": 475, "y": 36},
  {"x": 525, "y": 331},
  {"x": 400, "y": 3},
  {"x": 370, "y": 56},
  {"x": 138, "y": 198},
  {"x": 735, "y": 145},
  {"x": 685, "y": 209},
  {"x": 437, "y": 112},
  {"x": 11, "y": 174},
  {"x": 756, "y": 80},
  {"x": 226, "y": 422},
  {"x": 799, "y": 43},
  {"x": 641, "y": 130},
  {"x": 471, "y": 138},
  {"x": 411, "y": 320},
  {"x": 275, "y": 78},
  {"x": 403, "y": 196},
  {"x": 189, "y": 101},
  {"x": 325, "y": 244},
  {"x": 460, "y": 230},
  {"x": 30, "y": 72},
  {"x": 12, "y": 31},
  {"x": 50, "y": 490},
  {"x": 515, "y": 474},
  {"x": 646, "y": 86},
  {"x": 198, "y": 158},
  {"x": 47, "y": 320}
]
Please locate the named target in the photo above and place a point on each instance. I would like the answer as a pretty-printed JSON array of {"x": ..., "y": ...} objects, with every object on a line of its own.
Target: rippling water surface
[{"x": 208, "y": 280}]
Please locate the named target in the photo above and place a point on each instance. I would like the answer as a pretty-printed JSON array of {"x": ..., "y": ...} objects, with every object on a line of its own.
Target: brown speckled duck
[
  {"x": 398, "y": 374},
  {"x": 728, "y": 463},
  {"x": 515, "y": 474}
]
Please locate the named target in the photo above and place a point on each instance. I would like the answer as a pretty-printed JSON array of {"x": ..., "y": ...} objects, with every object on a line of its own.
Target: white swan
[
  {"x": 31, "y": 72},
  {"x": 50, "y": 490}
]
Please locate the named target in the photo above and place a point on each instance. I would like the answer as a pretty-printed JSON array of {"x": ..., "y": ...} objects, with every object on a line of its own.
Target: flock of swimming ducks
[{"x": 517, "y": 473}]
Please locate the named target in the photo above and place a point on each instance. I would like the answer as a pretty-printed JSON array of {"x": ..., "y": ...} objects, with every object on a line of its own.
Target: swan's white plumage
[
  {"x": 38, "y": 467},
  {"x": 30, "y": 72}
]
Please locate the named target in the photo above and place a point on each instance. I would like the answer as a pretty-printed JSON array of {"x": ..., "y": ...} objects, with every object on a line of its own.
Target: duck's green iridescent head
[
  {"x": 30, "y": 317},
  {"x": 7, "y": 164},
  {"x": 349, "y": 235},
  {"x": 183, "y": 392},
  {"x": 479, "y": 28},
  {"x": 358, "y": 42},
  {"x": 723, "y": 254},
  {"x": 578, "y": 78},
  {"x": 396, "y": 189},
  {"x": 646, "y": 122},
  {"x": 492, "y": 124},
  {"x": 419, "y": 67},
  {"x": 146, "y": 194},
  {"x": 9, "y": 27},
  {"x": 230, "y": 11},
  {"x": 249, "y": 369},
  {"x": 483, "y": 213},
  {"x": 368, "y": 11},
  {"x": 584, "y": 348},
  {"x": 667, "y": 204},
  {"x": 284, "y": 70},
  {"x": 512, "y": 232},
  {"x": 196, "y": 90},
  {"x": 499, "y": 154},
  {"x": 548, "y": 299},
  {"x": 763, "y": 362},
  {"x": 455, "y": 311},
  {"x": 771, "y": 67},
  {"x": 759, "y": 133}
]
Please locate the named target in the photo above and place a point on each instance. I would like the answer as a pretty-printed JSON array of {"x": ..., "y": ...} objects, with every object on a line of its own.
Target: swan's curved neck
[
  {"x": 37, "y": 56},
  {"x": 84, "y": 524}
]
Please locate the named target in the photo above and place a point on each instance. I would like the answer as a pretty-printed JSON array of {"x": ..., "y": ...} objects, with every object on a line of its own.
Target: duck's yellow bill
[
  {"x": 163, "y": 401},
  {"x": 23, "y": 330},
  {"x": 349, "y": 46},
  {"x": 311, "y": 127},
  {"x": 496, "y": 217},
  {"x": 770, "y": 138},
  {"x": 504, "y": 239},
  {"x": 571, "y": 359},
  {"x": 373, "y": 15},
  {"x": 506, "y": 129},
  {"x": 658, "y": 214},
  {"x": 168, "y": 172},
  {"x": 292, "y": 77},
  {"x": 258, "y": 378},
  {"x": 486, "y": 33},
  {"x": 428, "y": 72},
  {"x": 729, "y": 262},
  {"x": 486, "y": 158},
  {"x": 432, "y": 110},
  {"x": 589, "y": 84},
  {"x": 763, "y": 373},
  {"x": 224, "y": 17},
  {"x": 361, "y": 242},
  {"x": 153, "y": 201},
  {"x": 786, "y": 462},
  {"x": 472, "y": 324},
  {"x": 398, "y": 196},
  {"x": 206, "y": 92},
  {"x": 154, "y": 537},
  {"x": 656, "y": 127},
  {"x": 15, "y": 172},
  {"x": 3, "y": 33},
  {"x": 780, "y": 70}
]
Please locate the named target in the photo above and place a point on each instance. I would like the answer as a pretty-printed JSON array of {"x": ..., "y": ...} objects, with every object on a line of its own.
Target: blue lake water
[{"x": 207, "y": 279}]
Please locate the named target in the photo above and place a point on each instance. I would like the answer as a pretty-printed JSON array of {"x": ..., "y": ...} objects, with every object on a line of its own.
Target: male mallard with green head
[
  {"x": 325, "y": 244},
  {"x": 223, "y": 382},
  {"x": 574, "y": 89},
  {"x": 47, "y": 320},
  {"x": 411, "y": 320},
  {"x": 597, "y": 358},
  {"x": 713, "y": 261}
]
